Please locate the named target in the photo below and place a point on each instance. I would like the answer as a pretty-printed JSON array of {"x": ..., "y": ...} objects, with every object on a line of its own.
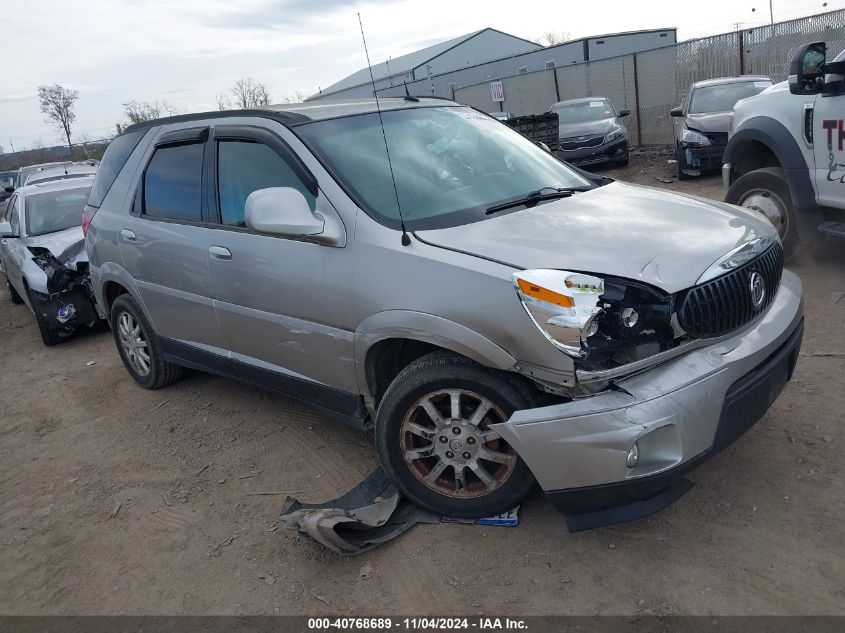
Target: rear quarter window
[{"x": 114, "y": 159}]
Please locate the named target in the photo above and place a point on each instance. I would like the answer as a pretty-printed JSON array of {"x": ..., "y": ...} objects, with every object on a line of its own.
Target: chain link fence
[{"x": 652, "y": 82}]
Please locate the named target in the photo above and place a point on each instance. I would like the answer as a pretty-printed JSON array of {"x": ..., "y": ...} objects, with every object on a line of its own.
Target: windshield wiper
[{"x": 532, "y": 198}]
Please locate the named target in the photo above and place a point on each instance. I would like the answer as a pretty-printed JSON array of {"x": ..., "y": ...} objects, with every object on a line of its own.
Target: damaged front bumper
[
  {"x": 65, "y": 310},
  {"x": 703, "y": 158},
  {"x": 677, "y": 415}
]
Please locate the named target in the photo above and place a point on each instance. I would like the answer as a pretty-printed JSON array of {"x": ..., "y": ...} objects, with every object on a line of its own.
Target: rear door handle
[
  {"x": 219, "y": 252},
  {"x": 128, "y": 235}
]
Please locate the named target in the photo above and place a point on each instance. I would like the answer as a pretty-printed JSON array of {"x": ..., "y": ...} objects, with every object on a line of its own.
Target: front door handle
[
  {"x": 128, "y": 235},
  {"x": 219, "y": 252}
]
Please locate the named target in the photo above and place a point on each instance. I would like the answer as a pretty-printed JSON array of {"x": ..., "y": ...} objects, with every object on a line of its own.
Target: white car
[{"x": 43, "y": 256}]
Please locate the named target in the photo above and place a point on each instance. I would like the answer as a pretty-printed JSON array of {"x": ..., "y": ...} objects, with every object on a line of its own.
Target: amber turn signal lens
[{"x": 544, "y": 294}]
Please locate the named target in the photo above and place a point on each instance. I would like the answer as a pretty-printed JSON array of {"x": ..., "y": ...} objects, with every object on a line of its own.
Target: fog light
[{"x": 633, "y": 457}]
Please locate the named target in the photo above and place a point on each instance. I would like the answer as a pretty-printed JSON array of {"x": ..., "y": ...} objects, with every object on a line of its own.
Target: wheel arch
[
  {"x": 767, "y": 139},
  {"x": 387, "y": 342}
]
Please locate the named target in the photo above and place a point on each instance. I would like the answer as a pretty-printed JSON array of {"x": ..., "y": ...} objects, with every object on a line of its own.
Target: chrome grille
[
  {"x": 724, "y": 304},
  {"x": 577, "y": 142}
]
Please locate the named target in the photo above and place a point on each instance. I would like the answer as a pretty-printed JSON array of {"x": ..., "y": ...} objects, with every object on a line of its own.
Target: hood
[
  {"x": 587, "y": 128},
  {"x": 708, "y": 122},
  {"x": 661, "y": 238},
  {"x": 67, "y": 246}
]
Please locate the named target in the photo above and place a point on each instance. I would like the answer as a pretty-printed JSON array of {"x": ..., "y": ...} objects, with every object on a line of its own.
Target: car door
[
  {"x": 282, "y": 304},
  {"x": 164, "y": 242},
  {"x": 829, "y": 149},
  {"x": 13, "y": 250}
]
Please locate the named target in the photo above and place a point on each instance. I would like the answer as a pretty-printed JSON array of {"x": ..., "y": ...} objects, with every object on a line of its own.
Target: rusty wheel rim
[{"x": 448, "y": 445}]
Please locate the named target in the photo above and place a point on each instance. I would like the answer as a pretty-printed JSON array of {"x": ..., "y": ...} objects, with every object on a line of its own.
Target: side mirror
[
  {"x": 679, "y": 111},
  {"x": 806, "y": 70},
  {"x": 282, "y": 211},
  {"x": 624, "y": 112},
  {"x": 6, "y": 230}
]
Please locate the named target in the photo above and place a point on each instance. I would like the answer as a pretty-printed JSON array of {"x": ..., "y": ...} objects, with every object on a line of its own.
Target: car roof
[
  {"x": 56, "y": 185},
  {"x": 58, "y": 170},
  {"x": 293, "y": 114},
  {"x": 580, "y": 100},
  {"x": 718, "y": 81}
]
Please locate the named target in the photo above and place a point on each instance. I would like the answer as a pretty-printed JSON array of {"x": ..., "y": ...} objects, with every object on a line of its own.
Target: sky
[{"x": 186, "y": 52}]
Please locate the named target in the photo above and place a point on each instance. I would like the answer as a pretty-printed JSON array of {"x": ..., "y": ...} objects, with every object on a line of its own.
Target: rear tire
[
  {"x": 452, "y": 465},
  {"x": 48, "y": 336},
  {"x": 13, "y": 294},
  {"x": 139, "y": 347},
  {"x": 767, "y": 191}
]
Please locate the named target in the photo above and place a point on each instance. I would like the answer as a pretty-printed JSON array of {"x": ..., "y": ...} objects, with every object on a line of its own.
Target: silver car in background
[
  {"x": 591, "y": 132},
  {"x": 701, "y": 121},
  {"x": 43, "y": 256},
  {"x": 497, "y": 317}
]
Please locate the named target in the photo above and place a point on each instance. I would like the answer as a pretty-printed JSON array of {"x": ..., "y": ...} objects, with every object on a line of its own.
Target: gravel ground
[{"x": 117, "y": 500}]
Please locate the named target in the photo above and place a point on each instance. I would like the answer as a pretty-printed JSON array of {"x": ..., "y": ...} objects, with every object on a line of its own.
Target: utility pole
[
  {"x": 771, "y": 13},
  {"x": 13, "y": 146}
]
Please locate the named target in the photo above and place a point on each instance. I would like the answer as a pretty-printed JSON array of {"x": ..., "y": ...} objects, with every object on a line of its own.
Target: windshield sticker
[{"x": 596, "y": 104}]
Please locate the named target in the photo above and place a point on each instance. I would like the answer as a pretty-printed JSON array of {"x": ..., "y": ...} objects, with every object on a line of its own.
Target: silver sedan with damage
[{"x": 43, "y": 256}]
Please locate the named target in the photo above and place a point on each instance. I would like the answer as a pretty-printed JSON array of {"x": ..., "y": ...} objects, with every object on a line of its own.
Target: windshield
[
  {"x": 450, "y": 164},
  {"x": 53, "y": 211},
  {"x": 724, "y": 97},
  {"x": 593, "y": 110}
]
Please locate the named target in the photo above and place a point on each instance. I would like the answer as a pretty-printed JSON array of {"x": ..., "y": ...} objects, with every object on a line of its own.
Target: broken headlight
[
  {"x": 601, "y": 322},
  {"x": 691, "y": 137}
]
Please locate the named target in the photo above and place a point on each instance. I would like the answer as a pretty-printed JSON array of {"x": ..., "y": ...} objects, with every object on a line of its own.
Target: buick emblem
[{"x": 757, "y": 287}]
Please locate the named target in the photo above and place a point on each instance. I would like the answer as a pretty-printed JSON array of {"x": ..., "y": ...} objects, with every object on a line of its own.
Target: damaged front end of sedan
[{"x": 66, "y": 299}]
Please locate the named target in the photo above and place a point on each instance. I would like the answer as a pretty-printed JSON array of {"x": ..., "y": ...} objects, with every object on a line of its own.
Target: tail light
[{"x": 87, "y": 216}]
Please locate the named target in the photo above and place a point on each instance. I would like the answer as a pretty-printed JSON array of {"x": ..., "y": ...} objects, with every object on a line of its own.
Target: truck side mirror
[{"x": 806, "y": 70}]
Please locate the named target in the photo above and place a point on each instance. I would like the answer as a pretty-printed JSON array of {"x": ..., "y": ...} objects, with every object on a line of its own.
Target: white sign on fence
[{"x": 497, "y": 91}]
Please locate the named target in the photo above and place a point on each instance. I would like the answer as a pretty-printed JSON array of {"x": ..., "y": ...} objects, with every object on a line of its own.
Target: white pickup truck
[{"x": 786, "y": 152}]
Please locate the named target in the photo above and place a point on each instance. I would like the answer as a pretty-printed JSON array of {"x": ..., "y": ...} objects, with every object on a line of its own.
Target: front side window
[
  {"x": 54, "y": 211},
  {"x": 173, "y": 183},
  {"x": 244, "y": 167},
  {"x": 593, "y": 110},
  {"x": 723, "y": 98},
  {"x": 450, "y": 164}
]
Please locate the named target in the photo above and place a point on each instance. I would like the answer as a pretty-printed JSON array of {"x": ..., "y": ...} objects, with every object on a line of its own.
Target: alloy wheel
[
  {"x": 133, "y": 343},
  {"x": 448, "y": 445}
]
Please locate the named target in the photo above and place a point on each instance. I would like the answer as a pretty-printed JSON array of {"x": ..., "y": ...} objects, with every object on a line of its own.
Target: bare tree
[
  {"x": 223, "y": 102},
  {"x": 139, "y": 111},
  {"x": 297, "y": 96},
  {"x": 57, "y": 103},
  {"x": 553, "y": 38},
  {"x": 249, "y": 93}
]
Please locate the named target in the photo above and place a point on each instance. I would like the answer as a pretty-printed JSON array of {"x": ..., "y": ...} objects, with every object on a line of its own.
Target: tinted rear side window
[
  {"x": 113, "y": 161},
  {"x": 173, "y": 183}
]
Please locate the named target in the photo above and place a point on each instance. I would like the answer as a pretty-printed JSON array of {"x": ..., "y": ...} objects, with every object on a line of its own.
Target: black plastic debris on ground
[{"x": 367, "y": 516}]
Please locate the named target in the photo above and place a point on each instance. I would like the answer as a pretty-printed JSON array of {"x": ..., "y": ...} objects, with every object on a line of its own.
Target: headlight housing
[
  {"x": 600, "y": 322},
  {"x": 613, "y": 135},
  {"x": 691, "y": 137}
]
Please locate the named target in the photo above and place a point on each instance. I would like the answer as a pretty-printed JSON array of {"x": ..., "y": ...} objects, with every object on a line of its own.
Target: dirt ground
[{"x": 117, "y": 500}]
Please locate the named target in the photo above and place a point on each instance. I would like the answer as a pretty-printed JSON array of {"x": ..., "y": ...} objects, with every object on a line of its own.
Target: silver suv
[{"x": 496, "y": 316}]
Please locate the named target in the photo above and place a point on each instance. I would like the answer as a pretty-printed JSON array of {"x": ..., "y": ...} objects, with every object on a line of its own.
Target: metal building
[{"x": 485, "y": 55}]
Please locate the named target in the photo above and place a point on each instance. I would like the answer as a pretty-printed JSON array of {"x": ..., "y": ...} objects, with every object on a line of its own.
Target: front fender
[{"x": 426, "y": 328}]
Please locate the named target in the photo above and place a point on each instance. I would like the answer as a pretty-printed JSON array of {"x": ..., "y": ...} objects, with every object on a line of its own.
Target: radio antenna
[{"x": 406, "y": 240}]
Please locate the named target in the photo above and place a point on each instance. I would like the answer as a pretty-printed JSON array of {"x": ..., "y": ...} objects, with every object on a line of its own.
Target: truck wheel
[
  {"x": 139, "y": 347},
  {"x": 434, "y": 438},
  {"x": 767, "y": 191},
  {"x": 13, "y": 294},
  {"x": 48, "y": 337}
]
